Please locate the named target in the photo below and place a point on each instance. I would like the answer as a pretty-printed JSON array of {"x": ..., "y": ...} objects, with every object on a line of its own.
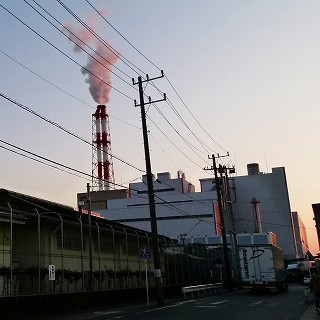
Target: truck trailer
[{"x": 262, "y": 268}]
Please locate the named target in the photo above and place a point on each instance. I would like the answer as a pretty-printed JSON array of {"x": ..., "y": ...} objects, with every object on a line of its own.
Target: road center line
[
  {"x": 255, "y": 304},
  {"x": 219, "y": 302}
]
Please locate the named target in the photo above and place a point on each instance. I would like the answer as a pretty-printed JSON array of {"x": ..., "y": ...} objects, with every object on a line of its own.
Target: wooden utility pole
[{"x": 152, "y": 208}]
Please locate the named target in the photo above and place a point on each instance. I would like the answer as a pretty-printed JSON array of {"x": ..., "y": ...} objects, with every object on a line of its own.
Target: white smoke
[{"x": 98, "y": 67}]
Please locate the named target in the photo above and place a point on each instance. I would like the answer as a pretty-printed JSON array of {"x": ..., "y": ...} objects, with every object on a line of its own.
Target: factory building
[
  {"x": 261, "y": 204},
  {"x": 181, "y": 212}
]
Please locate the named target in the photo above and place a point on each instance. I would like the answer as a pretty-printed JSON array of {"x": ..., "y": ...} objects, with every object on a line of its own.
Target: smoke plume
[{"x": 100, "y": 61}]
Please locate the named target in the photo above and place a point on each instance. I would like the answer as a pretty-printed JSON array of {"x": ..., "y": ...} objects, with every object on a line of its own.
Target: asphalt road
[{"x": 290, "y": 305}]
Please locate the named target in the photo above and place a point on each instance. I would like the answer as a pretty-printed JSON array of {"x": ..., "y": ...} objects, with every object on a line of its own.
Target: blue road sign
[{"x": 145, "y": 253}]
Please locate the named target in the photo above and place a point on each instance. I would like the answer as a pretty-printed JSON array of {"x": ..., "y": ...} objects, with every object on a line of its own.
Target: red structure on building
[{"x": 102, "y": 165}]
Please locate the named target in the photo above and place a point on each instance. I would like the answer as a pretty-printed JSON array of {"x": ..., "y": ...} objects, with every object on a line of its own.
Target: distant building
[
  {"x": 300, "y": 235},
  {"x": 316, "y": 212}
]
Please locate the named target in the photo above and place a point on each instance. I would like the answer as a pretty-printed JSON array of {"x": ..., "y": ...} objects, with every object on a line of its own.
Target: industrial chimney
[{"x": 102, "y": 165}]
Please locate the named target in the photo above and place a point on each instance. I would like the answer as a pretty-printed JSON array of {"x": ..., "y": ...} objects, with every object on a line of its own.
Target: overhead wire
[
  {"x": 62, "y": 90},
  {"x": 85, "y": 51},
  {"x": 56, "y": 165},
  {"x": 80, "y": 47},
  {"x": 152, "y": 63},
  {"x": 63, "y": 53},
  {"x": 97, "y": 11},
  {"x": 52, "y": 163},
  {"x": 125, "y": 61},
  {"x": 196, "y": 120},
  {"x": 152, "y": 136},
  {"x": 193, "y": 114},
  {"x": 47, "y": 81},
  {"x": 20, "y": 105},
  {"x": 173, "y": 143},
  {"x": 179, "y": 134},
  {"x": 158, "y": 109}
]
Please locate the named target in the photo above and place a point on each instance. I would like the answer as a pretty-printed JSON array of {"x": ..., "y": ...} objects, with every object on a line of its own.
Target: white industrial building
[
  {"x": 261, "y": 205},
  {"x": 181, "y": 212}
]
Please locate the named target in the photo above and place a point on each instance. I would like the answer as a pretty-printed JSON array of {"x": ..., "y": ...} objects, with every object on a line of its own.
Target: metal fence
[{"x": 49, "y": 253}]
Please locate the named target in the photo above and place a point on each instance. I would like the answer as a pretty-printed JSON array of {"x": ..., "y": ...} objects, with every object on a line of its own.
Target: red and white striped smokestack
[
  {"x": 102, "y": 142},
  {"x": 105, "y": 144}
]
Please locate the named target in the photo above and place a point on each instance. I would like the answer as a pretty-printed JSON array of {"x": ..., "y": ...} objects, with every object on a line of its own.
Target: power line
[
  {"x": 164, "y": 151},
  {"x": 79, "y": 46},
  {"x": 187, "y": 126},
  {"x": 47, "y": 81},
  {"x": 62, "y": 90},
  {"x": 124, "y": 60},
  {"x": 37, "y": 160},
  {"x": 56, "y": 165},
  {"x": 179, "y": 134},
  {"x": 63, "y": 129},
  {"x": 174, "y": 144},
  {"x": 63, "y": 53},
  {"x": 193, "y": 115},
  {"x": 43, "y": 158},
  {"x": 188, "y": 143},
  {"x": 123, "y": 38},
  {"x": 144, "y": 56}
]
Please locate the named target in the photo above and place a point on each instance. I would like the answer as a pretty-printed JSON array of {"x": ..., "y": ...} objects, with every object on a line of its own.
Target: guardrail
[{"x": 201, "y": 287}]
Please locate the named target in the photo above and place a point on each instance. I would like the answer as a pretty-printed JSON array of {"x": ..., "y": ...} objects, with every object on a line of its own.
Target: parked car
[{"x": 306, "y": 279}]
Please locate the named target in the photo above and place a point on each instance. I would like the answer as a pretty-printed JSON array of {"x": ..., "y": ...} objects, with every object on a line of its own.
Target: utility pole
[
  {"x": 222, "y": 222},
  {"x": 152, "y": 208}
]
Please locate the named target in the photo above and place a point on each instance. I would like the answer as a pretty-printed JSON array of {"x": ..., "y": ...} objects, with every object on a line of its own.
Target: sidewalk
[{"x": 311, "y": 313}]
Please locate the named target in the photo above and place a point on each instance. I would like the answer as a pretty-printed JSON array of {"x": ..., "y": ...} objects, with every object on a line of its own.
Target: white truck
[{"x": 262, "y": 268}]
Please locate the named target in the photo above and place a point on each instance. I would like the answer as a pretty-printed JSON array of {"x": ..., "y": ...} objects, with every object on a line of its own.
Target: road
[{"x": 235, "y": 305}]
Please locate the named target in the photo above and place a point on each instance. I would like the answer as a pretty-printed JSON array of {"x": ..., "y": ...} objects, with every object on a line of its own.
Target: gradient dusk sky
[{"x": 241, "y": 77}]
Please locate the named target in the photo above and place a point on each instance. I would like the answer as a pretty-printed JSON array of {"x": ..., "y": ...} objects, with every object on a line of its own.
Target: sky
[{"x": 241, "y": 78}]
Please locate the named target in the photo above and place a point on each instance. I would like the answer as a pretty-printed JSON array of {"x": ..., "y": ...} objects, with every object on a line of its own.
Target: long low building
[{"x": 44, "y": 248}]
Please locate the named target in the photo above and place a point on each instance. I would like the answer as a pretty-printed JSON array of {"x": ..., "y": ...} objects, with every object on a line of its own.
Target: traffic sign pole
[
  {"x": 147, "y": 286},
  {"x": 146, "y": 254}
]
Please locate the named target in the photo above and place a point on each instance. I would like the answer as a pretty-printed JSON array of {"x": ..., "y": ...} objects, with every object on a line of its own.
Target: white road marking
[
  {"x": 184, "y": 302},
  {"x": 205, "y": 306},
  {"x": 255, "y": 303},
  {"x": 219, "y": 302},
  {"x": 102, "y": 313}
]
